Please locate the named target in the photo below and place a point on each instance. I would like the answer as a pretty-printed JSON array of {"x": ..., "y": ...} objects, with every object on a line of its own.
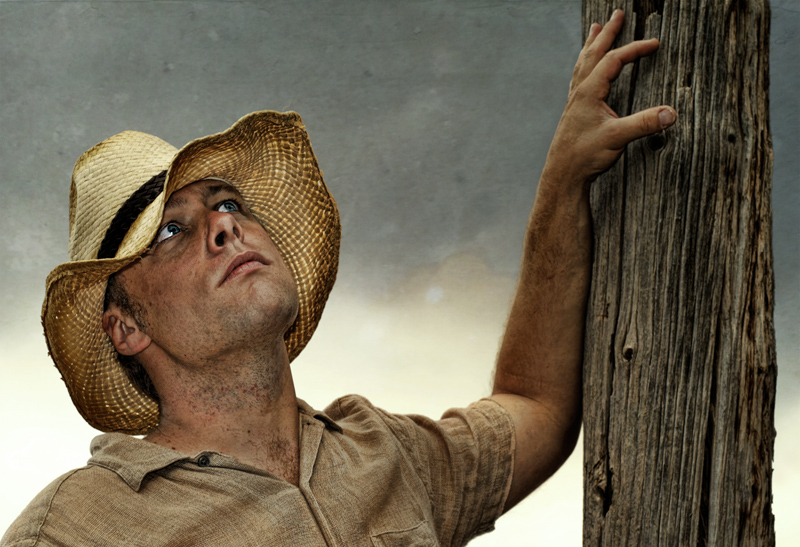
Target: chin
[{"x": 267, "y": 316}]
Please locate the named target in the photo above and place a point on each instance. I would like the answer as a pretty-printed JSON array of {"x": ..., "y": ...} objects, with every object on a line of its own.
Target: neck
[{"x": 244, "y": 407}]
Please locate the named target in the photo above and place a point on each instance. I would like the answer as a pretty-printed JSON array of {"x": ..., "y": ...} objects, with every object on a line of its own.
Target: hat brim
[{"x": 267, "y": 156}]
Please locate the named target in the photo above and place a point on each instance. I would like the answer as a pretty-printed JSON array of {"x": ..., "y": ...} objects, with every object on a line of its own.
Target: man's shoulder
[
  {"x": 357, "y": 407},
  {"x": 355, "y": 412},
  {"x": 484, "y": 418},
  {"x": 113, "y": 475},
  {"x": 71, "y": 490},
  {"x": 471, "y": 446},
  {"x": 343, "y": 407}
]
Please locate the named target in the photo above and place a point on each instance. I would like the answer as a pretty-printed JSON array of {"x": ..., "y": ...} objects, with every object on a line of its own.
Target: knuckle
[
  {"x": 578, "y": 93},
  {"x": 645, "y": 125},
  {"x": 614, "y": 63},
  {"x": 593, "y": 55}
]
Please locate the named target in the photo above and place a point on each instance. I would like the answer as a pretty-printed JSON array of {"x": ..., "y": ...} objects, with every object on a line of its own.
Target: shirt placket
[{"x": 310, "y": 441}]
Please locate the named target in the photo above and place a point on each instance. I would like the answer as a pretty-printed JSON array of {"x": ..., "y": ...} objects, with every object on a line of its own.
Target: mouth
[{"x": 243, "y": 263}]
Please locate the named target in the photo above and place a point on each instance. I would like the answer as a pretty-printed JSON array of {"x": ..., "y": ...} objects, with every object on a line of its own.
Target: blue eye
[
  {"x": 228, "y": 206},
  {"x": 170, "y": 229}
]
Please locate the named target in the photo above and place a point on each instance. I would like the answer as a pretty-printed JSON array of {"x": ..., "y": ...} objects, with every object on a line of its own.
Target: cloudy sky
[{"x": 431, "y": 121}]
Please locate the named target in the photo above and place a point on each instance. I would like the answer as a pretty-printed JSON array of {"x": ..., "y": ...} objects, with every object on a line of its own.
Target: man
[{"x": 198, "y": 275}]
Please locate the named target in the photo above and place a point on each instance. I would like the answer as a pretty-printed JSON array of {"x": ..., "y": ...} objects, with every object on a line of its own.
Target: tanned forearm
[
  {"x": 541, "y": 355},
  {"x": 547, "y": 316}
]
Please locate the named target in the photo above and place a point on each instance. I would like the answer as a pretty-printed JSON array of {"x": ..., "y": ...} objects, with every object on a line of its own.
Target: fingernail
[{"x": 666, "y": 117}]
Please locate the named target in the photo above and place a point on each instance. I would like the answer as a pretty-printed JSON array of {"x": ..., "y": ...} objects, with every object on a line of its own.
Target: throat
[
  {"x": 243, "y": 408},
  {"x": 272, "y": 452},
  {"x": 280, "y": 458}
]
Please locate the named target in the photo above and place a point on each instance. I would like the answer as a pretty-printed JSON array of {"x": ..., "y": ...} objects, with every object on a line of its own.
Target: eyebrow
[
  {"x": 174, "y": 203},
  {"x": 213, "y": 190},
  {"x": 208, "y": 192}
]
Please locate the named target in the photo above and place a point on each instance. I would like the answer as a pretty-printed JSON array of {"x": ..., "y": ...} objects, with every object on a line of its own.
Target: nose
[{"x": 222, "y": 230}]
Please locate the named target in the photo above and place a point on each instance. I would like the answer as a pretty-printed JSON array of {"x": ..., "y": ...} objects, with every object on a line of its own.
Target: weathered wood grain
[{"x": 680, "y": 370}]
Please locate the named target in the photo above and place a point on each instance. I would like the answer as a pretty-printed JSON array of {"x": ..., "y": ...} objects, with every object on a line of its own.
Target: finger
[
  {"x": 630, "y": 52},
  {"x": 612, "y": 64},
  {"x": 579, "y": 73},
  {"x": 594, "y": 30},
  {"x": 593, "y": 52},
  {"x": 586, "y": 62},
  {"x": 609, "y": 33},
  {"x": 627, "y": 129}
]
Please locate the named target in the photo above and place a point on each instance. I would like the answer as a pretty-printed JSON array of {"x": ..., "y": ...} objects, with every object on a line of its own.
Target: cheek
[{"x": 170, "y": 291}]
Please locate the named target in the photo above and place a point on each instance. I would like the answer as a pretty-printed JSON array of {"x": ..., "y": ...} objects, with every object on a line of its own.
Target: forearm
[
  {"x": 541, "y": 353},
  {"x": 538, "y": 373}
]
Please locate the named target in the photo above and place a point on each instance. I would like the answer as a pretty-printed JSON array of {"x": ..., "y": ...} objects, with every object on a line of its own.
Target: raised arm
[{"x": 538, "y": 375}]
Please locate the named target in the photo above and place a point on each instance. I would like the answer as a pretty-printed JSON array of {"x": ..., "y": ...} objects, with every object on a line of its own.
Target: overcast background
[{"x": 431, "y": 121}]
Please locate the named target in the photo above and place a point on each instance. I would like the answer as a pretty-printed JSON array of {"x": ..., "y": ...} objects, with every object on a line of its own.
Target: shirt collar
[
  {"x": 306, "y": 409},
  {"x": 133, "y": 459}
]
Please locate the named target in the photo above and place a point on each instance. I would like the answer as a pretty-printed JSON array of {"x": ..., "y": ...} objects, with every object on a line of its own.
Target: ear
[{"x": 125, "y": 334}]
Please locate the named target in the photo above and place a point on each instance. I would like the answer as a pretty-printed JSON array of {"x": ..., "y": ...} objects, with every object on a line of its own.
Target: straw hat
[{"x": 118, "y": 192}]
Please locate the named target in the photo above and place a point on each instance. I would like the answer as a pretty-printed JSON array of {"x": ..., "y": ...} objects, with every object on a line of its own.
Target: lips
[{"x": 242, "y": 264}]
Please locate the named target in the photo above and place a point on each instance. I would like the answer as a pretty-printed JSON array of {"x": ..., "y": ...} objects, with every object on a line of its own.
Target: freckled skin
[{"x": 188, "y": 314}]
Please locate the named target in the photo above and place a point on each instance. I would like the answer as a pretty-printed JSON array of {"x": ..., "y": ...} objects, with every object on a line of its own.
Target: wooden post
[{"x": 679, "y": 380}]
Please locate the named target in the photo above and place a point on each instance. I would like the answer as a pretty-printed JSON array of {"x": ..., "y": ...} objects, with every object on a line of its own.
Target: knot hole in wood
[{"x": 656, "y": 142}]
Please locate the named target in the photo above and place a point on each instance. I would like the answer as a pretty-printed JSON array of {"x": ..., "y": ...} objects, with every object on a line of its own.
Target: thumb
[{"x": 641, "y": 124}]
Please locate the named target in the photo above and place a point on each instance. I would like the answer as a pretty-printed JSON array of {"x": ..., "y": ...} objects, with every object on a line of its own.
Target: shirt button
[{"x": 203, "y": 461}]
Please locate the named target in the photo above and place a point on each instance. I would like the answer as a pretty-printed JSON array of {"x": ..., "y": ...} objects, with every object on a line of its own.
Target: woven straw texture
[{"x": 267, "y": 156}]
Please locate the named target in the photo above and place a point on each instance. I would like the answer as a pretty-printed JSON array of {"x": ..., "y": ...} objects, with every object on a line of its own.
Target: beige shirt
[{"x": 366, "y": 478}]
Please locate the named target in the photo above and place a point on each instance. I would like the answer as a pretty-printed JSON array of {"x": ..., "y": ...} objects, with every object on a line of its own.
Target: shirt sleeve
[{"x": 465, "y": 460}]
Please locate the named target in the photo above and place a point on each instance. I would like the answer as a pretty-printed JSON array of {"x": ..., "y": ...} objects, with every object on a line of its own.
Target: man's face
[{"x": 213, "y": 281}]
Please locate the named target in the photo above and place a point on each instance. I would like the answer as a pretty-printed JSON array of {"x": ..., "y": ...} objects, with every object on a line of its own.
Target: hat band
[{"x": 128, "y": 213}]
